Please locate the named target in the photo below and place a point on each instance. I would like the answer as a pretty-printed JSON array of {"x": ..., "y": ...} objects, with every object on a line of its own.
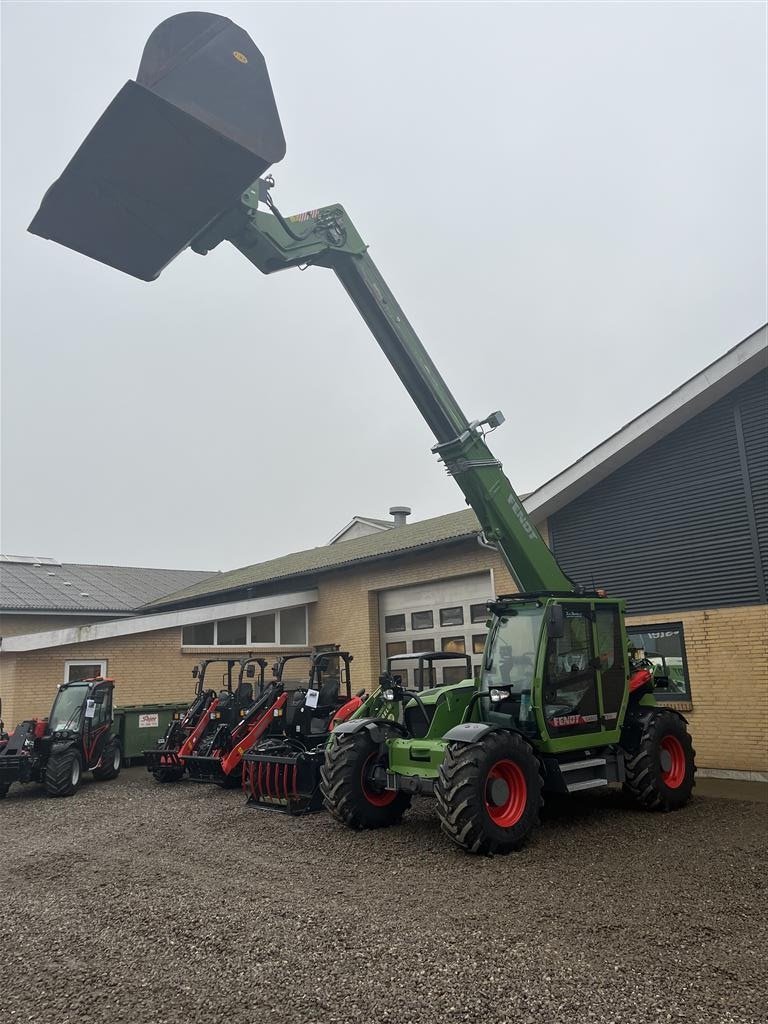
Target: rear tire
[
  {"x": 168, "y": 774},
  {"x": 489, "y": 793},
  {"x": 113, "y": 761},
  {"x": 347, "y": 791},
  {"x": 660, "y": 765},
  {"x": 63, "y": 773}
]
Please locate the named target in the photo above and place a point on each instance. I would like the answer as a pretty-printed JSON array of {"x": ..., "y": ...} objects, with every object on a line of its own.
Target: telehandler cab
[
  {"x": 166, "y": 761},
  {"x": 178, "y": 160},
  {"x": 75, "y": 737},
  {"x": 282, "y": 772}
]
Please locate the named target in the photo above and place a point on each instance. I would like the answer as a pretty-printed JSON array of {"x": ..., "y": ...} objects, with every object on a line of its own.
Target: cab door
[
  {"x": 97, "y": 723},
  {"x": 611, "y": 657},
  {"x": 570, "y": 700}
]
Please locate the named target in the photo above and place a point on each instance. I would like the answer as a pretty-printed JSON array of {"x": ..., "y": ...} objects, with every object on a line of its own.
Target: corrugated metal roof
[
  {"x": 68, "y": 587},
  {"x": 411, "y": 537}
]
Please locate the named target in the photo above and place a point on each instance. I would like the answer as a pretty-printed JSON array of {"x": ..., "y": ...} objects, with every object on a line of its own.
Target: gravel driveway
[{"x": 148, "y": 904}]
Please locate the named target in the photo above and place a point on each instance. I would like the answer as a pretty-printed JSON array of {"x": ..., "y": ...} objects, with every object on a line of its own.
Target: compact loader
[
  {"x": 177, "y": 161},
  {"x": 235, "y": 719},
  {"x": 166, "y": 761},
  {"x": 76, "y": 737}
]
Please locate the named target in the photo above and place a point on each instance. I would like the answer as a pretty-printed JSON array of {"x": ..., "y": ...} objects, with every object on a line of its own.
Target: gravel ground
[{"x": 151, "y": 904}]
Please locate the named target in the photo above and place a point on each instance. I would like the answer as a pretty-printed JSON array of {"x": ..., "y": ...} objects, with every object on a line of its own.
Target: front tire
[
  {"x": 4, "y": 790},
  {"x": 112, "y": 761},
  {"x": 489, "y": 793},
  {"x": 168, "y": 774},
  {"x": 348, "y": 790},
  {"x": 660, "y": 765},
  {"x": 63, "y": 773}
]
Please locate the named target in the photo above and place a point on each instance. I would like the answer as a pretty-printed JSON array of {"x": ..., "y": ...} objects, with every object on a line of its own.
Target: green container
[{"x": 140, "y": 726}]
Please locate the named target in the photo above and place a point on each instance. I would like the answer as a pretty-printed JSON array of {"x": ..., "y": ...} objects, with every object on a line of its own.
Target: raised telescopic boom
[
  {"x": 172, "y": 162},
  {"x": 327, "y": 238}
]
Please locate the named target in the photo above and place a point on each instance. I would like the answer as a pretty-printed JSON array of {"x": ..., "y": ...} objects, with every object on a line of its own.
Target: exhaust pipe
[{"x": 172, "y": 152}]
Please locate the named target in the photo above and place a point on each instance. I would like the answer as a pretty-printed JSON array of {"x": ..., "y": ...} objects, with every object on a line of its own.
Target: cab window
[{"x": 570, "y": 682}]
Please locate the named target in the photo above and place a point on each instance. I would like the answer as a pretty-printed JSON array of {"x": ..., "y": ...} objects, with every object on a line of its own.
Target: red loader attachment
[
  {"x": 226, "y": 733},
  {"x": 186, "y": 729},
  {"x": 172, "y": 152}
]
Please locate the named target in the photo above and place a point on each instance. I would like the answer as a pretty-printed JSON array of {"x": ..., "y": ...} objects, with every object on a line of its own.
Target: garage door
[{"x": 445, "y": 616}]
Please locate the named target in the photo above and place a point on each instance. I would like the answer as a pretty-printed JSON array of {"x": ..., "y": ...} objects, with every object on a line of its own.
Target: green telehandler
[{"x": 178, "y": 160}]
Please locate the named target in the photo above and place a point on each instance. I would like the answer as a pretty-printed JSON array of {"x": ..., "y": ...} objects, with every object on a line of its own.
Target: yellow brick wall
[
  {"x": 727, "y": 653},
  {"x": 146, "y": 667}
]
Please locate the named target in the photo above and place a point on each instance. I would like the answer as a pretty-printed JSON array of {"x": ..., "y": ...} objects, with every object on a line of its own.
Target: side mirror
[
  {"x": 195, "y": 671},
  {"x": 555, "y": 622},
  {"x": 250, "y": 670}
]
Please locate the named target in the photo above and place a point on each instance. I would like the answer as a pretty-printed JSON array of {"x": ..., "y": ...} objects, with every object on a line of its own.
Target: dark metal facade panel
[
  {"x": 753, "y": 406},
  {"x": 671, "y": 529}
]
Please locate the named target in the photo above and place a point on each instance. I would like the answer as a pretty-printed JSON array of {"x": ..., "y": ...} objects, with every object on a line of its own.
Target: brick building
[{"x": 671, "y": 512}]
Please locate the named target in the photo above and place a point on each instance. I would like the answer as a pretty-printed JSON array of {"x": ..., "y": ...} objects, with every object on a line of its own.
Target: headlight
[
  {"x": 497, "y": 695},
  {"x": 388, "y": 694},
  {"x": 28, "y": 743}
]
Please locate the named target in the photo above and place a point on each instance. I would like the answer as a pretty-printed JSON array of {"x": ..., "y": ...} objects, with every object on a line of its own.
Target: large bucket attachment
[{"x": 172, "y": 152}]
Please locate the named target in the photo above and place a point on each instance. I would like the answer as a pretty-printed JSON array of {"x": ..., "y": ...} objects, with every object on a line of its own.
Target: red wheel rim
[
  {"x": 506, "y": 793},
  {"x": 673, "y": 775},
  {"x": 379, "y": 798}
]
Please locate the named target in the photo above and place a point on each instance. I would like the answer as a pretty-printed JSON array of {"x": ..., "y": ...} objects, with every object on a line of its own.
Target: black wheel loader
[
  {"x": 75, "y": 737},
  {"x": 282, "y": 771}
]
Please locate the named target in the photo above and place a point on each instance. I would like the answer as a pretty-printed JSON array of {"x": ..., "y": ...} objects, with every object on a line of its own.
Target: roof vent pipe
[{"x": 400, "y": 514}]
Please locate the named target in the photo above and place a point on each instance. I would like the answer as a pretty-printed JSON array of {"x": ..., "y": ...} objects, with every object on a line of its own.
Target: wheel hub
[
  {"x": 505, "y": 793},
  {"x": 666, "y": 761},
  {"x": 498, "y": 792}
]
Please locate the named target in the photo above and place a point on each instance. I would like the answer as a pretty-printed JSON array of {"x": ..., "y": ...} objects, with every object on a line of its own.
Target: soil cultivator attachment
[
  {"x": 283, "y": 771},
  {"x": 172, "y": 152},
  {"x": 76, "y": 737},
  {"x": 166, "y": 760}
]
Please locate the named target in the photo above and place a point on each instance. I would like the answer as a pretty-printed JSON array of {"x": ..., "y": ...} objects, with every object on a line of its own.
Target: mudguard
[
  {"x": 379, "y": 728},
  {"x": 470, "y": 732}
]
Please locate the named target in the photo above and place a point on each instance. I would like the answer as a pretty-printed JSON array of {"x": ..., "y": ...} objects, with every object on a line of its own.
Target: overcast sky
[{"x": 567, "y": 200}]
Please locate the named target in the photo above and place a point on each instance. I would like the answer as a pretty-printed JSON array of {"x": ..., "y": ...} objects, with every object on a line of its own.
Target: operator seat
[{"x": 245, "y": 693}]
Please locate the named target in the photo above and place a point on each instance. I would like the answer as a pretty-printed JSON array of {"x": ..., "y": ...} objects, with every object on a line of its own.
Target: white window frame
[
  {"x": 248, "y": 641},
  {"x": 437, "y": 632},
  {"x": 85, "y": 661}
]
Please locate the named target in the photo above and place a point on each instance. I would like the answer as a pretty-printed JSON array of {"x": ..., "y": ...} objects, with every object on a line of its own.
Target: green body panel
[{"x": 423, "y": 755}]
